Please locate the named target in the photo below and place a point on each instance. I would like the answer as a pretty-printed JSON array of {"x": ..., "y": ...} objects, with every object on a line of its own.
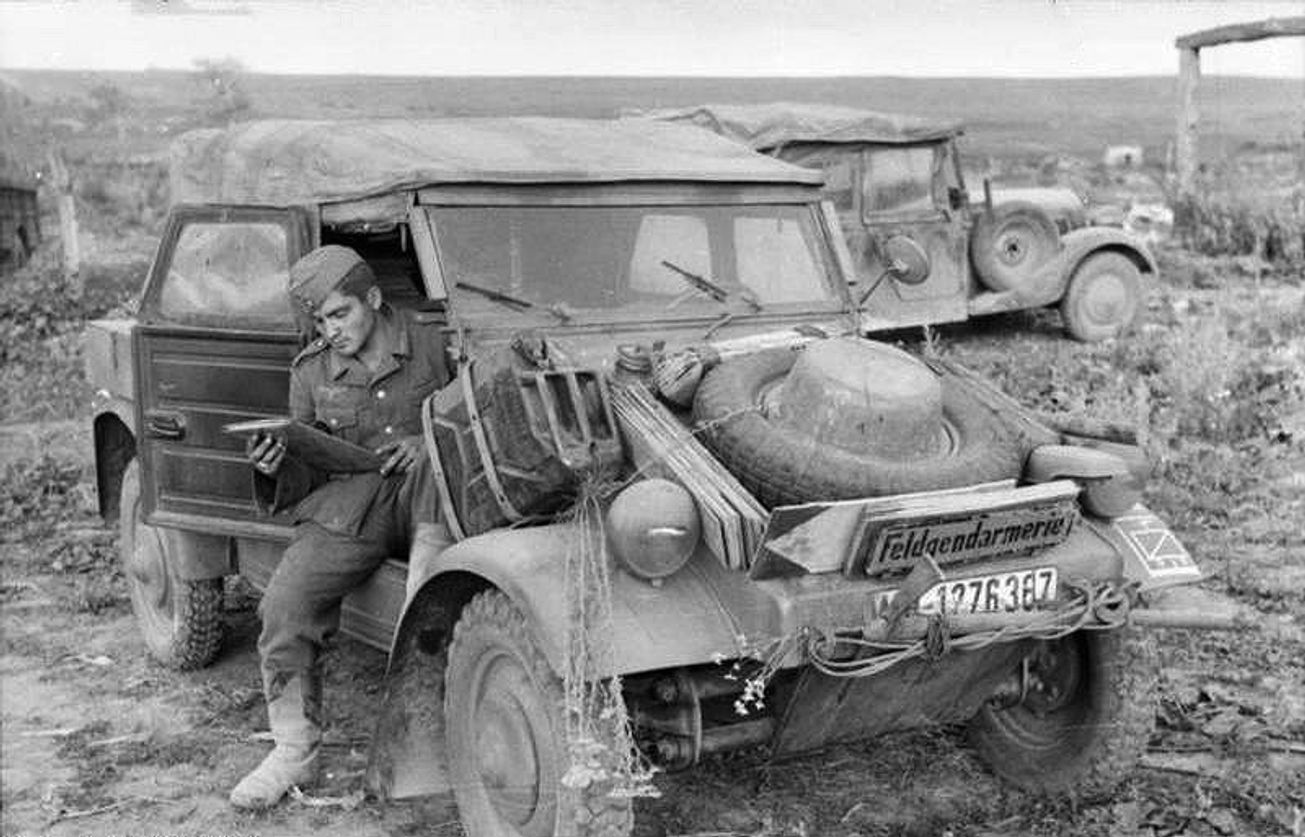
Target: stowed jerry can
[{"x": 514, "y": 434}]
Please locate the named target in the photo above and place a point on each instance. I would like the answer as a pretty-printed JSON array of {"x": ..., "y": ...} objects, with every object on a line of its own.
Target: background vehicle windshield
[{"x": 607, "y": 258}]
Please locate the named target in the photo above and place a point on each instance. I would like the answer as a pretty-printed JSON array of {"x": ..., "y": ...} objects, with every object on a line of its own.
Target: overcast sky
[{"x": 1029, "y": 38}]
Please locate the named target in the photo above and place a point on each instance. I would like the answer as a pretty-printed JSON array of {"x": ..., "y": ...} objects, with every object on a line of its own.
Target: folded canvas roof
[
  {"x": 287, "y": 162},
  {"x": 768, "y": 126}
]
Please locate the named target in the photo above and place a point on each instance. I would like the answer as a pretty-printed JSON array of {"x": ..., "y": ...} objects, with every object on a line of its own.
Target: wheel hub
[
  {"x": 507, "y": 756},
  {"x": 1052, "y": 678},
  {"x": 147, "y": 569},
  {"x": 1012, "y": 250},
  {"x": 1105, "y": 299}
]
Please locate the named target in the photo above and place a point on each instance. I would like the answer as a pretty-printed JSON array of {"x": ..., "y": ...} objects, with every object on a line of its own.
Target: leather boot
[{"x": 294, "y": 717}]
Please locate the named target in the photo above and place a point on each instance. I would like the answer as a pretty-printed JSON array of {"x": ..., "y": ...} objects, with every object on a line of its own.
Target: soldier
[{"x": 362, "y": 379}]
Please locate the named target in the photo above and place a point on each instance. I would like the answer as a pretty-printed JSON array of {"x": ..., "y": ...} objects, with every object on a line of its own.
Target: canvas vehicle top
[
  {"x": 898, "y": 186},
  {"x": 668, "y": 454}
]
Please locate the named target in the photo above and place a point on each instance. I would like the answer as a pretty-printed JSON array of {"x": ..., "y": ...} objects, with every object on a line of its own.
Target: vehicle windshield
[{"x": 616, "y": 260}]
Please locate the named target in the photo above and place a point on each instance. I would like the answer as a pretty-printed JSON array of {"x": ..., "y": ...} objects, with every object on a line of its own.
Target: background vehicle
[
  {"x": 669, "y": 458},
  {"x": 893, "y": 176}
]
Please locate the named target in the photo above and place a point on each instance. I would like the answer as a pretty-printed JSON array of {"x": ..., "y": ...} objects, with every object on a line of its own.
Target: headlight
[{"x": 653, "y": 528}]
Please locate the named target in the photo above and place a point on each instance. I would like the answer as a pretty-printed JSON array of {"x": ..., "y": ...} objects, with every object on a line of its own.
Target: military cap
[{"x": 323, "y": 270}]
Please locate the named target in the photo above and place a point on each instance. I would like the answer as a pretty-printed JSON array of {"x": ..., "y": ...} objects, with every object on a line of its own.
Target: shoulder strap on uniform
[{"x": 314, "y": 348}]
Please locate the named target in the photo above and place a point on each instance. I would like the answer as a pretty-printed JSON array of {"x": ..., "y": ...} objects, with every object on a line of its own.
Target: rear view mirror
[
  {"x": 904, "y": 260},
  {"x": 907, "y": 262}
]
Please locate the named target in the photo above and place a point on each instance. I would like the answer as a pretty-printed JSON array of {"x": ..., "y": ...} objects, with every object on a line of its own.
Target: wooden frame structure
[{"x": 1189, "y": 79}]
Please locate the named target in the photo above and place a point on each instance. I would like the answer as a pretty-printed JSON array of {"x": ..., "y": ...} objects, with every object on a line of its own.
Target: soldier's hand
[
  {"x": 266, "y": 452},
  {"x": 402, "y": 454}
]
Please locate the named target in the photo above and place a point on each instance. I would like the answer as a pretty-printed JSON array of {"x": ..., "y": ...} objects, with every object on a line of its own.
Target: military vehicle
[
  {"x": 690, "y": 507},
  {"x": 898, "y": 185}
]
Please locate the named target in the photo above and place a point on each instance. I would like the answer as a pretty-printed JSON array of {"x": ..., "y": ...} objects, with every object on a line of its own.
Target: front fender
[
  {"x": 1050, "y": 283},
  {"x": 680, "y": 622},
  {"x": 1081, "y": 243}
]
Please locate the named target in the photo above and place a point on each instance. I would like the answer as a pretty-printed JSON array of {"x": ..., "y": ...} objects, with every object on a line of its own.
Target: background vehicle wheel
[
  {"x": 783, "y": 466},
  {"x": 1085, "y": 719},
  {"x": 1103, "y": 299},
  {"x": 506, "y": 744},
  {"x": 1009, "y": 245},
  {"x": 180, "y": 620}
]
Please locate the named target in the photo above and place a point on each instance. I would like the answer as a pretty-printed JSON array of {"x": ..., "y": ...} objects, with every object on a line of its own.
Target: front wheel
[
  {"x": 507, "y": 752},
  {"x": 180, "y": 619},
  {"x": 1103, "y": 299},
  {"x": 1084, "y": 716}
]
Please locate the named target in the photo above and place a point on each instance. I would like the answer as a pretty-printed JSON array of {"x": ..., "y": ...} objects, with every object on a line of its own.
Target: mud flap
[{"x": 407, "y": 756}]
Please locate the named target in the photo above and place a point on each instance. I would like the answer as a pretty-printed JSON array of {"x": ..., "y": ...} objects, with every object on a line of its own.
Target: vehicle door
[
  {"x": 214, "y": 346},
  {"x": 911, "y": 191}
]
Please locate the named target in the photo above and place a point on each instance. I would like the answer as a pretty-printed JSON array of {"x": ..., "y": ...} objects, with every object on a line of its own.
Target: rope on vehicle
[{"x": 1102, "y": 607}]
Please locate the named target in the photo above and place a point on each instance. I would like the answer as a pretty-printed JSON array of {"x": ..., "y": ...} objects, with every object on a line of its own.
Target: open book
[{"x": 311, "y": 446}]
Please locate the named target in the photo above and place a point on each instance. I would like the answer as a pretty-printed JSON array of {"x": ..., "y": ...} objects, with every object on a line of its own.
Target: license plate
[{"x": 997, "y": 593}]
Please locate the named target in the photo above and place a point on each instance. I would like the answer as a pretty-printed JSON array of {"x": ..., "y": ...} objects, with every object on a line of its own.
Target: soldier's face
[{"x": 347, "y": 322}]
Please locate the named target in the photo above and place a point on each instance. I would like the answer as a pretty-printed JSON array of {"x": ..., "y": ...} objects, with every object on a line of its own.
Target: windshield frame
[{"x": 637, "y": 196}]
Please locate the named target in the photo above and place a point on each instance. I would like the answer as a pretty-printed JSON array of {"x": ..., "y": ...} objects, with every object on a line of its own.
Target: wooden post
[
  {"x": 1189, "y": 114},
  {"x": 1189, "y": 78},
  {"x": 72, "y": 255}
]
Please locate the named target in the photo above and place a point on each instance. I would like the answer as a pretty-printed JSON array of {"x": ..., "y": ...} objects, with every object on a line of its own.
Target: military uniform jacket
[{"x": 341, "y": 395}]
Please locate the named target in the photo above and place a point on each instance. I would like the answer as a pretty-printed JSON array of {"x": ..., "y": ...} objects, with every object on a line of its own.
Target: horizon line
[{"x": 678, "y": 76}]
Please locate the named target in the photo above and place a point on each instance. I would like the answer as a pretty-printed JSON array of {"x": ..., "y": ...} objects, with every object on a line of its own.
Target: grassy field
[{"x": 1077, "y": 117}]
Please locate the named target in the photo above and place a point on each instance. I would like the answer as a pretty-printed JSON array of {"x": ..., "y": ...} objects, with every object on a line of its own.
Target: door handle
[{"x": 162, "y": 424}]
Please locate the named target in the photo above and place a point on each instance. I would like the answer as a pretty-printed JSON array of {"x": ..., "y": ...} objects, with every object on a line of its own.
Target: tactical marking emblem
[{"x": 1154, "y": 545}]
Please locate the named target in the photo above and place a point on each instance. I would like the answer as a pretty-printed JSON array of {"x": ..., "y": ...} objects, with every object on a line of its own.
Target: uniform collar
[{"x": 390, "y": 331}]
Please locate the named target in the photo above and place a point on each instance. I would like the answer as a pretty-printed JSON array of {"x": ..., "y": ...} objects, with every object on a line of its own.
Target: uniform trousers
[{"x": 301, "y": 605}]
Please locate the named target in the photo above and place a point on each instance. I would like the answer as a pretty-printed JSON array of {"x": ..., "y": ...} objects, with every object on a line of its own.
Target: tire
[
  {"x": 1011, "y": 244},
  {"x": 503, "y": 709},
  {"x": 781, "y": 466},
  {"x": 1087, "y": 742},
  {"x": 180, "y": 620},
  {"x": 1103, "y": 299}
]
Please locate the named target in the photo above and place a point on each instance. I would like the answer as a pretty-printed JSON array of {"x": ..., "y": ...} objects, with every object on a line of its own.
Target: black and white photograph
[{"x": 652, "y": 418}]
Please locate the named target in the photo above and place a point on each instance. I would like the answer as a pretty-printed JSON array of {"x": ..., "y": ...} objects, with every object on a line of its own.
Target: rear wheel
[
  {"x": 180, "y": 619},
  {"x": 1084, "y": 717},
  {"x": 1103, "y": 299},
  {"x": 507, "y": 747}
]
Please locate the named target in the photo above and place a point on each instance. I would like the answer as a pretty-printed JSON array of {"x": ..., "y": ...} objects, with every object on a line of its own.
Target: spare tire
[
  {"x": 782, "y": 465},
  {"x": 1010, "y": 244}
]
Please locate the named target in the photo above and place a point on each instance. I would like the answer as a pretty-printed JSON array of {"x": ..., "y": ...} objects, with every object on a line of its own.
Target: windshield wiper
[
  {"x": 497, "y": 296},
  {"x": 704, "y": 285},
  {"x": 559, "y": 309},
  {"x": 699, "y": 283}
]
